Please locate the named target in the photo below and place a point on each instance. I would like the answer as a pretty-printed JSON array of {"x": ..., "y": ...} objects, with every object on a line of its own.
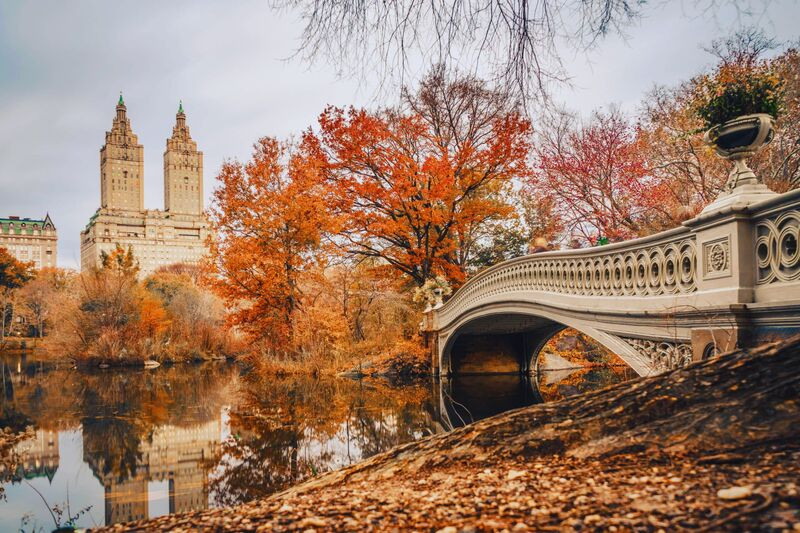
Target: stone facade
[
  {"x": 30, "y": 240},
  {"x": 122, "y": 166},
  {"x": 183, "y": 171},
  {"x": 177, "y": 234}
]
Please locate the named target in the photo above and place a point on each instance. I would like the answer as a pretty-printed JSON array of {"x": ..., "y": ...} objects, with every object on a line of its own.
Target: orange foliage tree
[
  {"x": 413, "y": 184},
  {"x": 41, "y": 296},
  {"x": 107, "y": 316},
  {"x": 13, "y": 275},
  {"x": 269, "y": 218}
]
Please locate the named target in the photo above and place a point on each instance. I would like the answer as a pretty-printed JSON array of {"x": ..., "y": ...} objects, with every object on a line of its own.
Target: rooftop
[{"x": 29, "y": 225}]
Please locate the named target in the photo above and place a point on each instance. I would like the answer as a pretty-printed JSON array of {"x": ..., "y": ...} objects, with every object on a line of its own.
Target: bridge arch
[{"x": 507, "y": 337}]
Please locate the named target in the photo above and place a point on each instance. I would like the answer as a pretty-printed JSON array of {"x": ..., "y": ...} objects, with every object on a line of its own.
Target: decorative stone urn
[{"x": 736, "y": 140}]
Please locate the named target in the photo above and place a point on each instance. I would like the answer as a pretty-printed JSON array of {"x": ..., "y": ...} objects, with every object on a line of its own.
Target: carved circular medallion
[{"x": 716, "y": 258}]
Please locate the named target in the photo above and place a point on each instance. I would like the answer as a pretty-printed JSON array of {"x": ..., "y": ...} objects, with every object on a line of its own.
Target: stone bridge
[{"x": 730, "y": 276}]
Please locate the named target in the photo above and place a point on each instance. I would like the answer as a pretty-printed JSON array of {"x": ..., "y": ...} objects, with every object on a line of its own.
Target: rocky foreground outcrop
[{"x": 714, "y": 446}]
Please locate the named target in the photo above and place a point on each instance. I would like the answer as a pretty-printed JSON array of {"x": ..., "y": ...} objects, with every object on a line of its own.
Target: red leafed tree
[
  {"x": 413, "y": 184},
  {"x": 598, "y": 176},
  {"x": 269, "y": 218}
]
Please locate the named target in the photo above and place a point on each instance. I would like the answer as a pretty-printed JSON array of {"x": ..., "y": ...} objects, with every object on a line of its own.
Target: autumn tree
[
  {"x": 413, "y": 185},
  {"x": 13, "y": 275},
  {"x": 269, "y": 217},
  {"x": 535, "y": 217},
  {"x": 99, "y": 322},
  {"x": 687, "y": 170},
  {"x": 120, "y": 261},
  {"x": 107, "y": 317},
  {"x": 781, "y": 162},
  {"x": 596, "y": 175},
  {"x": 691, "y": 174},
  {"x": 41, "y": 296},
  {"x": 377, "y": 308},
  {"x": 540, "y": 217},
  {"x": 194, "y": 316}
]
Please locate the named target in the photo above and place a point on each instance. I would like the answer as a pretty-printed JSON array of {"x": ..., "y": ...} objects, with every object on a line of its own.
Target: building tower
[
  {"x": 122, "y": 166},
  {"x": 183, "y": 170}
]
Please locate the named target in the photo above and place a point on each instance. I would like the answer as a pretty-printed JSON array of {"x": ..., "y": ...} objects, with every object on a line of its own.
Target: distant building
[
  {"x": 30, "y": 240},
  {"x": 175, "y": 235}
]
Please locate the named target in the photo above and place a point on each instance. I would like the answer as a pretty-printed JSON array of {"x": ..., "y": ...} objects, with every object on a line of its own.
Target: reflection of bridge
[{"x": 729, "y": 276}]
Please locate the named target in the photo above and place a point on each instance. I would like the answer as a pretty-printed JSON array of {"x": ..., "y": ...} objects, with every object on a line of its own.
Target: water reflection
[
  {"x": 138, "y": 442},
  {"x": 465, "y": 399},
  {"x": 133, "y": 444},
  {"x": 296, "y": 428}
]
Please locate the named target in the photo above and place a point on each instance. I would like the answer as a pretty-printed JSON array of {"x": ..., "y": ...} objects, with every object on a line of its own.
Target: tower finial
[
  {"x": 121, "y": 101},
  {"x": 180, "y": 107}
]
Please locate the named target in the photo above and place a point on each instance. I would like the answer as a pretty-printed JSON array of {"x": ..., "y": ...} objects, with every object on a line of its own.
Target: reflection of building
[
  {"x": 38, "y": 456},
  {"x": 30, "y": 240},
  {"x": 126, "y": 500},
  {"x": 175, "y": 235},
  {"x": 178, "y": 455}
]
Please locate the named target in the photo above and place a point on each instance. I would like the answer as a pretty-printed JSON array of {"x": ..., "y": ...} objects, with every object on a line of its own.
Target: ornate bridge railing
[
  {"x": 664, "y": 264},
  {"x": 733, "y": 268},
  {"x": 776, "y": 241}
]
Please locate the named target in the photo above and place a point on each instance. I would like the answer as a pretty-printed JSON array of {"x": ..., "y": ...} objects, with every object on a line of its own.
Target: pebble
[
  {"x": 592, "y": 518},
  {"x": 735, "y": 493}
]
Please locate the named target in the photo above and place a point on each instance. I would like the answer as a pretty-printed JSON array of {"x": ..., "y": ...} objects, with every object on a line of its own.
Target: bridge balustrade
[{"x": 728, "y": 277}]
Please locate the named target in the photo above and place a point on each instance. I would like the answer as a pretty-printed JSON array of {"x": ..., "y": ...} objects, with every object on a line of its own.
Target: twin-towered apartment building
[{"x": 175, "y": 235}]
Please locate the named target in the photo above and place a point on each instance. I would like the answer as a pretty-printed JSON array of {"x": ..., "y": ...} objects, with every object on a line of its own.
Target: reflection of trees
[
  {"x": 284, "y": 431},
  {"x": 45, "y": 397},
  {"x": 114, "y": 425},
  {"x": 117, "y": 408},
  {"x": 121, "y": 409},
  {"x": 384, "y": 417}
]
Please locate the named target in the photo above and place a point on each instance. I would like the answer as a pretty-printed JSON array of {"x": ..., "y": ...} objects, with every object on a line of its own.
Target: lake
[{"x": 118, "y": 445}]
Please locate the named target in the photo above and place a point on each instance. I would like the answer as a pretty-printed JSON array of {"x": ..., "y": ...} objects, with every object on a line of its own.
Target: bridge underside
[{"x": 499, "y": 344}]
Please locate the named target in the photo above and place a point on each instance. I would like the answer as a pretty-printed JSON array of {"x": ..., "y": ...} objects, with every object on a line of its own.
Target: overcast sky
[{"x": 64, "y": 64}]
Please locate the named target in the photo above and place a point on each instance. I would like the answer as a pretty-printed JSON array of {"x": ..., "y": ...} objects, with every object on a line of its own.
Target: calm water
[{"x": 113, "y": 446}]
